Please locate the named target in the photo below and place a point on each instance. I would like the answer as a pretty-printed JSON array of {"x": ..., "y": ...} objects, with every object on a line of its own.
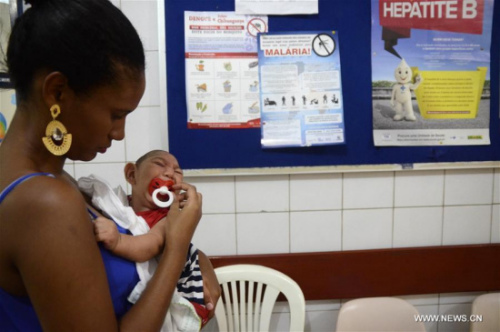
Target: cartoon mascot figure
[{"x": 401, "y": 92}]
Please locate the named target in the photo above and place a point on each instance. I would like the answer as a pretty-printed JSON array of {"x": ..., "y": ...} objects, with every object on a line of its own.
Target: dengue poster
[
  {"x": 301, "y": 89},
  {"x": 277, "y": 7},
  {"x": 222, "y": 80},
  {"x": 431, "y": 72}
]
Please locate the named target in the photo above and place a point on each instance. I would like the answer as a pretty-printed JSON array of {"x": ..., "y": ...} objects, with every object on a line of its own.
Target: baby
[{"x": 154, "y": 169}]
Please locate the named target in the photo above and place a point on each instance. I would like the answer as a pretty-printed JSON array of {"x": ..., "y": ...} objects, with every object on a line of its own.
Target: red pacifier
[{"x": 160, "y": 191}]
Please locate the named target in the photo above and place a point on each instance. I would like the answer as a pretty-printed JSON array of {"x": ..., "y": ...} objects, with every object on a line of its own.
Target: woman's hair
[{"x": 86, "y": 40}]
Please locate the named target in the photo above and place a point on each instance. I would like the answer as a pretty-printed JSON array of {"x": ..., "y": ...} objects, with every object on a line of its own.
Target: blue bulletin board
[{"x": 241, "y": 148}]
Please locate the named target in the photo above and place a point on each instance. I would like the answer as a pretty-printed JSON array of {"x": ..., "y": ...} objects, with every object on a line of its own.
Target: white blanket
[{"x": 181, "y": 315}]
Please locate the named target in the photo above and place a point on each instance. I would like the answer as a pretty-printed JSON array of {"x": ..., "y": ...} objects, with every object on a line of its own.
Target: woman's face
[{"x": 96, "y": 120}]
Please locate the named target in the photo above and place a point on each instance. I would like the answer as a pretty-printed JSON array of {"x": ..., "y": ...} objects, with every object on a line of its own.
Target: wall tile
[
  {"x": 419, "y": 188},
  {"x": 116, "y": 3},
  {"x": 69, "y": 167},
  {"x": 262, "y": 233},
  {"x": 142, "y": 132},
  {"x": 315, "y": 192},
  {"x": 144, "y": 17},
  {"x": 467, "y": 224},
  {"x": 495, "y": 224},
  {"x": 422, "y": 300},
  {"x": 281, "y": 307},
  {"x": 218, "y": 193},
  {"x": 322, "y": 305},
  {"x": 415, "y": 227},
  {"x": 464, "y": 187},
  {"x": 315, "y": 231},
  {"x": 216, "y": 234},
  {"x": 452, "y": 298},
  {"x": 321, "y": 320},
  {"x": 496, "y": 187},
  {"x": 367, "y": 229},
  {"x": 454, "y": 309},
  {"x": 115, "y": 153},
  {"x": 151, "y": 95},
  {"x": 368, "y": 190},
  {"x": 262, "y": 193},
  {"x": 429, "y": 310},
  {"x": 110, "y": 172},
  {"x": 280, "y": 322}
]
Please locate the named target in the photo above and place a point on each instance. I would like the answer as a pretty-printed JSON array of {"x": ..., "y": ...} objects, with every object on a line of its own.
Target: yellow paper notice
[{"x": 450, "y": 94}]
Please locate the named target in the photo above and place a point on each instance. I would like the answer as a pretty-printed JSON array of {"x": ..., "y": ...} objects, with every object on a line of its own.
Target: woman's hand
[{"x": 182, "y": 222}]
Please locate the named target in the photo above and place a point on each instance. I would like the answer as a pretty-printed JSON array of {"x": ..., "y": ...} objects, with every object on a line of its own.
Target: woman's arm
[
  {"x": 54, "y": 250},
  {"x": 58, "y": 259}
]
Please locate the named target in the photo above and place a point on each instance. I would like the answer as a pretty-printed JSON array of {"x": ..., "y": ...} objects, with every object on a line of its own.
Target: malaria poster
[
  {"x": 222, "y": 81},
  {"x": 431, "y": 72},
  {"x": 301, "y": 89}
]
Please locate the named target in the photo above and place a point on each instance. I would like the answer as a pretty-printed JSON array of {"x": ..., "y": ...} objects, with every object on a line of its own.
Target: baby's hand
[{"x": 106, "y": 232}]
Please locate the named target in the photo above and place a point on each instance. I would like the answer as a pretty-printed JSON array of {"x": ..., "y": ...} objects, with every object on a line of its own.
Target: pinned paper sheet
[{"x": 276, "y": 7}]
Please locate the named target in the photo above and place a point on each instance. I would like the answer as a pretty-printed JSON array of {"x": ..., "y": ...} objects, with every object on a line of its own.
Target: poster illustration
[
  {"x": 222, "y": 83},
  {"x": 7, "y": 110},
  {"x": 431, "y": 72},
  {"x": 276, "y": 7},
  {"x": 301, "y": 89}
]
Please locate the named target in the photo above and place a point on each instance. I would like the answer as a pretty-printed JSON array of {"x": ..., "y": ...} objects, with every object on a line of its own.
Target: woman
[{"x": 78, "y": 70}]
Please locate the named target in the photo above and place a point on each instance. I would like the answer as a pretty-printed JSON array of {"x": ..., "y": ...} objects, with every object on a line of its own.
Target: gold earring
[{"x": 56, "y": 140}]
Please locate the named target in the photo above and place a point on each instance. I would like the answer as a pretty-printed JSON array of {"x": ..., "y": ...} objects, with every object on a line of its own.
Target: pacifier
[{"x": 160, "y": 192}]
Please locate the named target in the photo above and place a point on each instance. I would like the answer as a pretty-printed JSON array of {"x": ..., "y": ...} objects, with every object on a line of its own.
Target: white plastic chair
[
  {"x": 249, "y": 293},
  {"x": 487, "y": 308},
  {"x": 378, "y": 314}
]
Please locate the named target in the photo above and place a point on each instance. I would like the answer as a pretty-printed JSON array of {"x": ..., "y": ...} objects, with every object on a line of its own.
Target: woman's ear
[
  {"x": 55, "y": 89},
  {"x": 129, "y": 170}
]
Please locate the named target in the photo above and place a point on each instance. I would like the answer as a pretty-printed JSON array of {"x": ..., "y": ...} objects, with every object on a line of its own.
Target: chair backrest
[
  {"x": 249, "y": 293},
  {"x": 485, "y": 313},
  {"x": 378, "y": 314}
]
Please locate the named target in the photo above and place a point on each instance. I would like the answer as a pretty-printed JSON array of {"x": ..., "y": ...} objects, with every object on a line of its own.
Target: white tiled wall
[{"x": 316, "y": 212}]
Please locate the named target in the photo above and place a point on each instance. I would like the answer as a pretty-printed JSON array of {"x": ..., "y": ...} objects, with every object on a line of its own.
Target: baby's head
[{"x": 154, "y": 164}]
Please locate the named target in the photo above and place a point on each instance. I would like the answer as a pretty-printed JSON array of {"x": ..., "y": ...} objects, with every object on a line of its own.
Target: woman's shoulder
[
  {"x": 43, "y": 197},
  {"x": 37, "y": 186}
]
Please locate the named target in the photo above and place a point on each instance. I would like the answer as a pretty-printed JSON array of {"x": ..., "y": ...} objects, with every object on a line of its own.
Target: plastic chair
[
  {"x": 378, "y": 314},
  {"x": 486, "y": 313},
  {"x": 249, "y": 293}
]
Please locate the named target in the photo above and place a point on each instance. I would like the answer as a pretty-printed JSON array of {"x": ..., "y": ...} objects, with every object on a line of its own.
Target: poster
[
  {"x": 277, "y": 7},
  {"x": 222, "y": 83},
  {"x": 431, "y": 72},
  {"x": 301, "y": 89},
  {"x": 7, "y": 110}
]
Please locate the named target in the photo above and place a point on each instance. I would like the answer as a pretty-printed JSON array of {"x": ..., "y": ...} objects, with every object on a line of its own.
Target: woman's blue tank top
[{"x": 17, "y": 312}]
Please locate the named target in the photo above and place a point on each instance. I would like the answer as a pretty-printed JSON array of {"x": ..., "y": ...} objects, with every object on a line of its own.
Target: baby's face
[{"x": 161, "y": 165}]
